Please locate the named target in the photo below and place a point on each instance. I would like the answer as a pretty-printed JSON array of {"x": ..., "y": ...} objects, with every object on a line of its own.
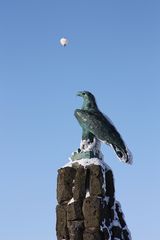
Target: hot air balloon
[{"x": 64, "y": 42}]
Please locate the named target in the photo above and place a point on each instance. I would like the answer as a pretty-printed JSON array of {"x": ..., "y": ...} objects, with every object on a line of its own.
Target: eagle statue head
[{"x": 89, "y": 100}]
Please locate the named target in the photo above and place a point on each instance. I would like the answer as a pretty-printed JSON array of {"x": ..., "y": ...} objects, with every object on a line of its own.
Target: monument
[{"x": 87, "y": 208}]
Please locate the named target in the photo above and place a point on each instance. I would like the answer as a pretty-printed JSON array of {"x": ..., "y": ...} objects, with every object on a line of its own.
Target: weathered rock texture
[{"x": 87, "y": 208}]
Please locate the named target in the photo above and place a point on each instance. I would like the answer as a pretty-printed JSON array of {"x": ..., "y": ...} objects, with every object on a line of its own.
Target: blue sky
[{"x": 114, "y": 52}]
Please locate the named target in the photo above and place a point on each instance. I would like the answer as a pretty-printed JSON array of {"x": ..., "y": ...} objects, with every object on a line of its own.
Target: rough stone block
[
  {"x": 120, "y": 215},
  {"x": 111, "y": 202},
  {"x": 92, "y": 212},
  {"x": 110, "y": 190},
  {"x": 117, "y": 232},
  {"x": 61, "y": 225},
  {"x": 74, "y": 211},
  {"x": 106, "y": 214},
  {"x": 76, "y": 229},
  {"x": 65, "y": 183},
  {"x": 79, "y": 184},
  {"x": 96, "y": 181},
  {"x": 105, "y": 234},
  {"x": 126, "y": 234},
  {"x": 92, "y": 236}
]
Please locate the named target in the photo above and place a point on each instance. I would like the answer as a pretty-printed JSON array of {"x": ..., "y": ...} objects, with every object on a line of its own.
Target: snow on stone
[
  {"x": 115, "y": 222},
  {"x": 103, "y": 225},
  {"x": 119, "y": 207},
  {"x": 95, "y": 146},
  {"x": 88, "y": 161},
  {"x": 87, "y": 194},
  {"x": 129, "y": 236},
  {"x": 71, "y": 201},
  {"x": 106, "y": 198},
  {"x": 130, "y": 156},
  {"x": 73, "y": 185},
  {"x": 86, "y": 145},
  {"x": 104, "y": 179}
]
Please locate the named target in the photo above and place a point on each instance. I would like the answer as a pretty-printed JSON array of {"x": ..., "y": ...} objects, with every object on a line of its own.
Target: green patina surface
[{"x": 84, "y": 155}]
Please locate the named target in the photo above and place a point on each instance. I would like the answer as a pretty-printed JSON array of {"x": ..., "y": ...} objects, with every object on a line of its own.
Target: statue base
[
  {"x": 87, "y": 208},
  {"x": 85, "y": 155},
  {"x": 88, "y": 150}
]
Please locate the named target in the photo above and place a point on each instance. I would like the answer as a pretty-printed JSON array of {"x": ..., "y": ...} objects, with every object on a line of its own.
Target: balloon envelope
[{"x": 64, "y": 41}]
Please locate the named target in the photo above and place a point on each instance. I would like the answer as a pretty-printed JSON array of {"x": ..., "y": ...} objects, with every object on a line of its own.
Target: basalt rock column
[{"x": 87, "y": 208}]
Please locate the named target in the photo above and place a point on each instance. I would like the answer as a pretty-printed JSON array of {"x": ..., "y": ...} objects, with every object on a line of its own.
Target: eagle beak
[{"x": 79, "y": 94}]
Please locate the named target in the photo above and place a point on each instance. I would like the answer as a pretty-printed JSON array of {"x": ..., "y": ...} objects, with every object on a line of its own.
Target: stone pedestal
[{"x": 87, "y": 208}]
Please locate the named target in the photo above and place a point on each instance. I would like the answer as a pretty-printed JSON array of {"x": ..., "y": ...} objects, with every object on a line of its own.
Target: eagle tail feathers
[{"x": 123, "y": 155}]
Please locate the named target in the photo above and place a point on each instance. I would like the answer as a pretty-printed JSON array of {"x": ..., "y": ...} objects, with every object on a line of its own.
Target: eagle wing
[{"x": 105, "y": 131}]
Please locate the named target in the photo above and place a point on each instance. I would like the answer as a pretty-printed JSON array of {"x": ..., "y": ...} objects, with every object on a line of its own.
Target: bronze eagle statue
[{"x": 96, "y": 125}]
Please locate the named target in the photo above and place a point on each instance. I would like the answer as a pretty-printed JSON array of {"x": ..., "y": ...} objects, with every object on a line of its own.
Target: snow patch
[
  {"x": 88, "y": 161},
  {"x": 115, "y": 221},
  {"x": 103, "y": 225},
  {"x": 87, "y": 194},
  {"x": 87, "y": 145},
  {"x": 71, "y": 201},
  {"x": 106, "y": 199},
  {"x": 104, "y": 179}
]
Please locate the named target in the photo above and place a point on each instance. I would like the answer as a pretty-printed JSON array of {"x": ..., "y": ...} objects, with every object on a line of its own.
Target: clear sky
[{"x": 114, "y": 52}]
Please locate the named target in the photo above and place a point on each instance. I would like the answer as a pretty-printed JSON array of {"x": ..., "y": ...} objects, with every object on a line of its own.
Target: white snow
[
  {"x": 103, "y": 225},
  {"x": 95, "y": 147},
  {"x": 86, "y": 145},
  {"x": 104, "y": 179},
  {"x": 126, "y": 228},
  {"x": 130, "y": 156},
  {"x": 119, "y": 207},
  {"x": 87, "y": 194},
  {"x": 88, "y": 161},
  {"x": 106, "y": 199},
  {"x": 71, "y": 201},
  {"x": 115, "y": 222}
]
